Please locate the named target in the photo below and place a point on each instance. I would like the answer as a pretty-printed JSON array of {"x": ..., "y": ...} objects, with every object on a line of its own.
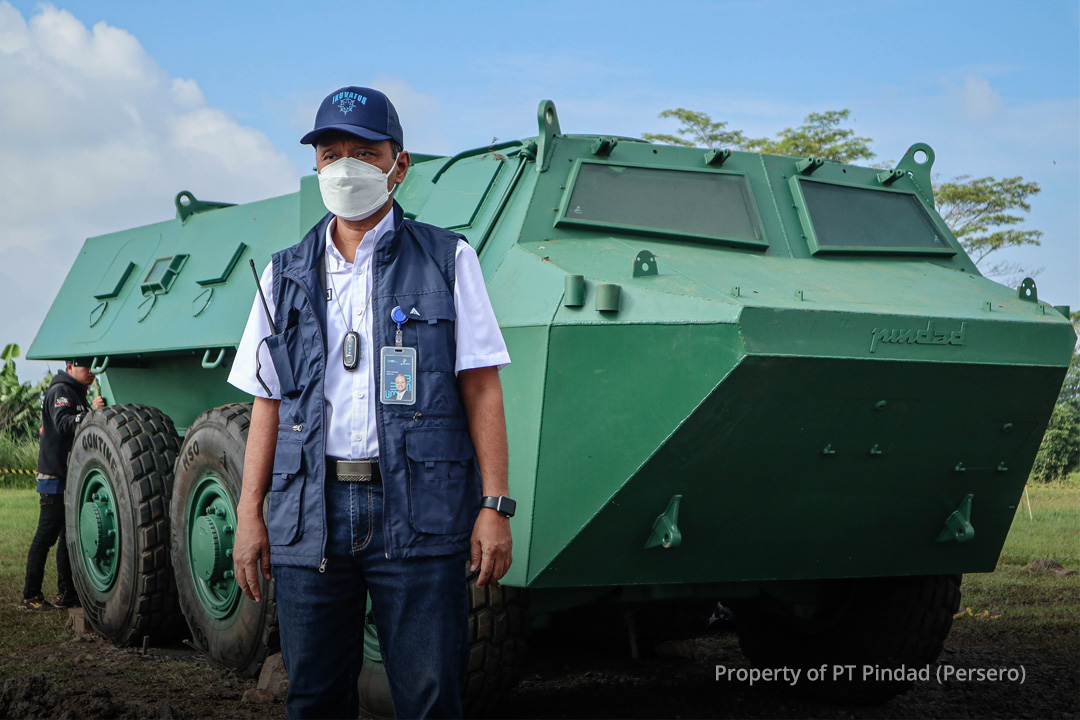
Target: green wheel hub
[
  {"x": 99, "y": 533},
  {"x": 372, "y": 650},
  {"x": 211, "y": 522}
]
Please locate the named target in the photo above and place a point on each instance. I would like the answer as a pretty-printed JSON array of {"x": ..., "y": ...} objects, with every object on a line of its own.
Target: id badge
[{"x": 397, "y": 370}]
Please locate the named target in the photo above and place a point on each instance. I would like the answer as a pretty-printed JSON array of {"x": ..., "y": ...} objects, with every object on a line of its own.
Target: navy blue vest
[{"x": 431, "y": 482}]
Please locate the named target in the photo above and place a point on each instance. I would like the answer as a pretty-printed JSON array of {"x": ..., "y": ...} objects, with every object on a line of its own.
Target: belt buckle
[{"x": 357, "y": 471}]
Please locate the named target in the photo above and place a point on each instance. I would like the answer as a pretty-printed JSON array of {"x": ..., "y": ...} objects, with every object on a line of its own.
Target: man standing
[
  {"x": 369, "y": 490},
  {"x": 61, "y": 412}
]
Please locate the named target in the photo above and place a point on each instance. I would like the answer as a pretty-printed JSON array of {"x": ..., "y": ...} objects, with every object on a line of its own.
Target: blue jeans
[{"x": 420, "y": 607}]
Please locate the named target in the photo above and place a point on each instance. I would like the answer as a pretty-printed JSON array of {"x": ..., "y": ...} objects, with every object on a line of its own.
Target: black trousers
[{"x": 50, "y": 530}]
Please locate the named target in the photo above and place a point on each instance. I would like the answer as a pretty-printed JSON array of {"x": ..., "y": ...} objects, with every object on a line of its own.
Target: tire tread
[
  {"x": 497, "y": 619},
  {"x": 149, "y": 446}
]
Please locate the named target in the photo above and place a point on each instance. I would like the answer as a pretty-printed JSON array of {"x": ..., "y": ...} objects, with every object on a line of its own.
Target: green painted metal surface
[
  {"x": 797, "y": 349},
  {"x": 99, "y": 531},
  {"x": 211, "y": 523}
]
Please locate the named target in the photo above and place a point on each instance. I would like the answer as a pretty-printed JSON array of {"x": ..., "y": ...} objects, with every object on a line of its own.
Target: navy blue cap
[{"x": 359, "y": 111}]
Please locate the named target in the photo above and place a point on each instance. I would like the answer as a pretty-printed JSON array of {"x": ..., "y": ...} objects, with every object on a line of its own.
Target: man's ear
[{"x": 401, "y": 168}]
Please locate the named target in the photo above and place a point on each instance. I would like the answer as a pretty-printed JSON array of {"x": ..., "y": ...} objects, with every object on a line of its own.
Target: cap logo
[{"x": 346, "y": 101}]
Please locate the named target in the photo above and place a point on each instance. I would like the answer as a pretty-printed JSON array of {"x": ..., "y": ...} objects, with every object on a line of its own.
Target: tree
[
  {"x": 697, "y": 130},
  {"x": 1070, "y": 390},
  {"x": 820, "y": 135},
  {"x": 1059, "y": 453},
  {"x": 20, "y": 403},
  {"x": 982, "y": 215}
]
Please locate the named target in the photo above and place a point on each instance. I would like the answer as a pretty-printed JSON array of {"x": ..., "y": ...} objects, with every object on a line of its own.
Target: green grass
[
  {"x": 17, "y": 454},
  {"x": 1034, "y": 608},
  {"x": 19, "y": 629}
]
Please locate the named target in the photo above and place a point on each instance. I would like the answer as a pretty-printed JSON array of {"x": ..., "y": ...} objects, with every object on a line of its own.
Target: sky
[{"x": 108, "y": 109}]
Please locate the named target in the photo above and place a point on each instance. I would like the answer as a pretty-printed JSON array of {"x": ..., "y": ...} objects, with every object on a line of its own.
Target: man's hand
[
  {"x": 481, "y": 392},
  {"x": 492, "y": 546},
  {"x": 251, "y": 553},
  {"x": 98, "y": 403},
  {"x": 251, "y": 548}
]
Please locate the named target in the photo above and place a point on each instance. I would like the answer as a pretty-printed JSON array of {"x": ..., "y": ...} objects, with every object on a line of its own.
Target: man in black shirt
[{"x": 61, "y": 412}]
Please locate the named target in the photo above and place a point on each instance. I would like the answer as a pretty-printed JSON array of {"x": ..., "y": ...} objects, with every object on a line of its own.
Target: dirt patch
[
  {"x": 86, "y": 678},
  {"x": 1051, "y": 566}
]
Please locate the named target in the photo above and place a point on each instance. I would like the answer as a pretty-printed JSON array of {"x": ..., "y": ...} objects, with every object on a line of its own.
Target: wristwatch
[{"x": 501, "y": 504}]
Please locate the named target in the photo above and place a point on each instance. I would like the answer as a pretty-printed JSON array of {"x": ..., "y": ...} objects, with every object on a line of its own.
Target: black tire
[
  {"x": 498, "y": 624},
  {"x": 117, "y": 523},
  {"x": 884, "y": 622},
  {"x": 233, "y": 631}
]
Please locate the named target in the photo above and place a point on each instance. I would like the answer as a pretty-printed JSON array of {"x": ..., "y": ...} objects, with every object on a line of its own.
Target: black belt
[{"x": 359, "y": 471}]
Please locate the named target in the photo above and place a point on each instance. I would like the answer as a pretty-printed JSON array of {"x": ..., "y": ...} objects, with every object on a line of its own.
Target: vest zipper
[
  {"x": 322, "y": 566},
  {"x": 379, "y": 414}
]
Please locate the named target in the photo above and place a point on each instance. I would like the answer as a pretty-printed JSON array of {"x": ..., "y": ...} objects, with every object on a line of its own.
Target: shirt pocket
[
  {"x": 444, "y": 486},
  {"x": 430, "y": 329},
  {"x": 285, "y": 500}
]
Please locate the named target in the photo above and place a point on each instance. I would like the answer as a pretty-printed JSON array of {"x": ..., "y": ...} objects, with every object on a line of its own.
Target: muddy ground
[{"x": 86, "y": 677}]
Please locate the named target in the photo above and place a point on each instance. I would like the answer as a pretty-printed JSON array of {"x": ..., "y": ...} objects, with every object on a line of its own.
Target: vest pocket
[
  {"x": 284, "y": 504},
  {"x": 283, "y": 517},
  {"x": 443, "y": 484},
  {"x": 430, "y": 329},
  {"x": 289, "y": 452}
]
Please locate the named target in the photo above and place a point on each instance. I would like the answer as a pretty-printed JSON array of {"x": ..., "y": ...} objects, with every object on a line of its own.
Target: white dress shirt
[{"x": 350, "y": 395}]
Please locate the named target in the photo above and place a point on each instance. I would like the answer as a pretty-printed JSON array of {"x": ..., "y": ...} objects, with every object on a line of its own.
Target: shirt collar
[{"x": 371, "y": 239}]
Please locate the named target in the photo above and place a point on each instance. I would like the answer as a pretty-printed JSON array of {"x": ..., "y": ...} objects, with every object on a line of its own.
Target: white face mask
[{"x": 353, "y": 189}]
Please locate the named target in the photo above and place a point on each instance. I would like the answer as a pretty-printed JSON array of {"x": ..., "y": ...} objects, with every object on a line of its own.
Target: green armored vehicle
[{"x": 775, "y": 382}]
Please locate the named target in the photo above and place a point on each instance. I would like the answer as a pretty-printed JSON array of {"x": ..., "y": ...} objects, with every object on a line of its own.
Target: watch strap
[{"x": 501, "y": 504}]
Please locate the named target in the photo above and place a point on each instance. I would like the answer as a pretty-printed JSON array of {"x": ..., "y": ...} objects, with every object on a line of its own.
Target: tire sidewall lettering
[{"x": 107, "y": 444}]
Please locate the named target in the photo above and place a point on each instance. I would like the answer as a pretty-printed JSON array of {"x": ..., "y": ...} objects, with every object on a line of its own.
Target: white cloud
[
  {"x": 96, "y": 137},
  {"x": 978, "y": 100},
  {"x": 186, "y": 93},
  {"x": 12, "y": 30}
]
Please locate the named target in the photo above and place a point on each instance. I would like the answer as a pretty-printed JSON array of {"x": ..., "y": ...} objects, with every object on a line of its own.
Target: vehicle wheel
[
  {"x": 372, "y": 686},
  {"x": 498, "y": 622},
  {"x": 117, "y": 523},
  {"x": 231, "y": 629},
  {"x": 884, "y": 622}
]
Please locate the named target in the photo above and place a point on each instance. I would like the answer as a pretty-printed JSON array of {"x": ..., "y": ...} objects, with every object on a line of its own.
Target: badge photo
[{"x": 397, "y": 370}]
